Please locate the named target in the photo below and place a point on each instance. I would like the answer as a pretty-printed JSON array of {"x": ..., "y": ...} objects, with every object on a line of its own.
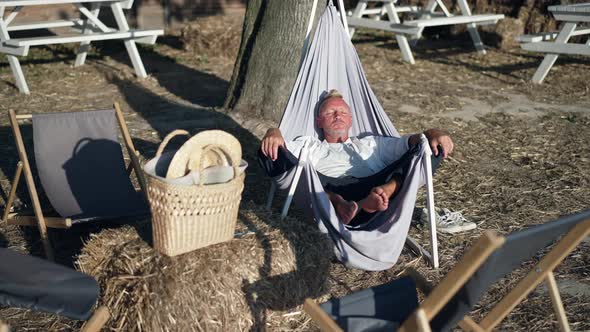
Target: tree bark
[{"x": 269, "y": 56}]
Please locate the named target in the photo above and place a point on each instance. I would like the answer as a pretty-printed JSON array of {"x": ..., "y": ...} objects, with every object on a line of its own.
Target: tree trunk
[{"x": 269, "y": 56}]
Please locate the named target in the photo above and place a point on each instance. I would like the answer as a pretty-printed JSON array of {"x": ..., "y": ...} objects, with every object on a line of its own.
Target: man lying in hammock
[{"x": 360, "y": 175}]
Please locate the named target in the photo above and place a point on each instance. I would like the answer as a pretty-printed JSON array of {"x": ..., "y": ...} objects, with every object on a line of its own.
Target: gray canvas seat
[
  {"x": 81, "y": 168},
  {"x": 39, "y": 285},
  {"x": 394, "y": 306}
]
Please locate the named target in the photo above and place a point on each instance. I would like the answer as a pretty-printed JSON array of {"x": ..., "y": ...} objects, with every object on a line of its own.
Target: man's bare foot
[
  {"x": 345, "y": 210},
  {"x": 377, "y": 200},
  {"x": 390, "y": 188}
]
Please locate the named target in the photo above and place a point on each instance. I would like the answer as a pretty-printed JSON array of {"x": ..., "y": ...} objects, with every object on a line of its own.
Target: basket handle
[
  {"x": 220, "y": 150},
  {"x": 168, "y": 138}
]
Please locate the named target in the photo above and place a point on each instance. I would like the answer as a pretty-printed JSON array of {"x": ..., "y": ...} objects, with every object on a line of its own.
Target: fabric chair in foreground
[
  {"x": 81, "y": 168},
  {"x": 394, "y": 306},
  {"x": 39, "y": 285}
]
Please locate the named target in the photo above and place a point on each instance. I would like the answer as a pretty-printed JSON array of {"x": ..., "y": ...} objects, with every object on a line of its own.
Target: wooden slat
[
  {"x": 12, "y": 194},
  {"x": 422, "y": 321},
  {"x": 382, "y": 25},
  {"x": 52, "y": 222},
  {"x": 97, "y": 321},
  {"x": 457, "y": 277},
  {"x": 326, "y": 323},
  {"x": 557, "y": 48},
  {"x": 557, "y": 303},
  {"x": 22, "y": 153},
  {"x": 4, "y": 327},
  {"x": 37, "y": 41},
  {"x": 468, "y": 324},
  {"x": 459, "y": 19},
  {"x": 133, "y": 154}
]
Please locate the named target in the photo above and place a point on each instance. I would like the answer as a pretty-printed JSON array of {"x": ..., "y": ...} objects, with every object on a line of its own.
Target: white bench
[
  {"x": 413, "y": 28},
  {"x": 383, "y": 25},
  {"x": 555, "y": 43},
  {"x": 458, "y": 19},
  {"x": 84, "y": 31}
]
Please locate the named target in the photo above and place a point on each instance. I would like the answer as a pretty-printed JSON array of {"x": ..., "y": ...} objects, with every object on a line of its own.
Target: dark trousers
[{"x": 349, "y": 187}]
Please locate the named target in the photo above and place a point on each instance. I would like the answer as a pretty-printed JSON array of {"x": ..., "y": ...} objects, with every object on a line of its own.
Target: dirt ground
[{"x": 522, "y": 150}]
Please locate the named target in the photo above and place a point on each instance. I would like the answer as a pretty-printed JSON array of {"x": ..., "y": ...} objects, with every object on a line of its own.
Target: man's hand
[
  {"x": 271, "y": 143},
  {"x": 436, "y": 137}
]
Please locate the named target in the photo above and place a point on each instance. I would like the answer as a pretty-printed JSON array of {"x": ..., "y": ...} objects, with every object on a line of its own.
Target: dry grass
[{"x": 212, "y": 37}]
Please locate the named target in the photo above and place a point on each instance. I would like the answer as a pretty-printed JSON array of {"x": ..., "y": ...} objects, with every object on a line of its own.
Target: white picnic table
[
  {"x": 421, "y": 17},
  {"x": 555, "y": 43},
  {"x": 83, "y": 30}
]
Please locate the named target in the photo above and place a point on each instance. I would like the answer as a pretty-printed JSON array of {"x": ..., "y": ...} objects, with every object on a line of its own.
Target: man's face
[{"x": 335, "y": 118}]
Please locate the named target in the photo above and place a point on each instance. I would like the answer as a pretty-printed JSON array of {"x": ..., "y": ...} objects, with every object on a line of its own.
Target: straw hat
[{"x": 205, "y": 149}]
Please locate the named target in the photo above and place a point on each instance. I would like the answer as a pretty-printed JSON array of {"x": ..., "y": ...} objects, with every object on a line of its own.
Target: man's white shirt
[{"x": 358, "y": 157}]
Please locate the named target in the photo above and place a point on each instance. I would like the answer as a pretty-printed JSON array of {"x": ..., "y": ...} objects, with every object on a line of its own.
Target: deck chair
[
  {"x": 420, "y": 18},
  {"x": 81, "y": 168},
  {"x": 394, "y": 306},
  {"x": 332, "y": 63},
  {"x": 39, "y": 285}
]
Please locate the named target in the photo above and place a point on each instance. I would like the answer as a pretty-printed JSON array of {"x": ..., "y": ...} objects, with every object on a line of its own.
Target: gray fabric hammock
[{"x": 332, "y": 63}]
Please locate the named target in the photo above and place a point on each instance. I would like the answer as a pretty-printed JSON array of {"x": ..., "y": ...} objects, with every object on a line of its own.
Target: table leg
[
  {"x": 564, "y": 35},
  {"x": 426, "y": 14},
  {"x": 358, "y": 13},
  {"x": 17, "y": 71},
  {"x": 402, "y": 40},
  {"x": 472, "y": 28},
  {"x": 129, "y": 44},
  {"x": 85, "y": 46}
]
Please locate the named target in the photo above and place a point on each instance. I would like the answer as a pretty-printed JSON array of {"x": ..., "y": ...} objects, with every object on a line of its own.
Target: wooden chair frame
[
  {"x": 23, "y": 165},
  {"x": 438, "y": 296},
  {"x": 97, "y": 321},
  {"x": 4, "y": 327}
]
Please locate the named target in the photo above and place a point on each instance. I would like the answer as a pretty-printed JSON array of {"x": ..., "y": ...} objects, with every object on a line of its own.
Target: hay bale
[
  {"x": 213, "y": 36},
  {"x": 238, "y": 285},
  {"x": 508, "y": 29}
]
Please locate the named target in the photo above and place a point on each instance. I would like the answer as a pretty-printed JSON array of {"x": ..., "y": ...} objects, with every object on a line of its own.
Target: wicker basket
[{"x": 188, "y": 217}]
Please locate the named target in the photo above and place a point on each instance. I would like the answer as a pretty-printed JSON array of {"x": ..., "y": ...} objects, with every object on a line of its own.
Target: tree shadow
[{"x": 286, "y": 291}]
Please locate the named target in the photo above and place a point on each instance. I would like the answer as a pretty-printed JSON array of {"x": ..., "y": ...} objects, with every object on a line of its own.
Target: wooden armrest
[
  {"x": 320, "y": 316},
  {"x": 4, "y": 327},
  {"x": 97, "y": 321}
]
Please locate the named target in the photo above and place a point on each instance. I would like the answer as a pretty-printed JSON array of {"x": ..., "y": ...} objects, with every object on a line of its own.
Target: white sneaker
[{"x": 448, "y": 221}]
